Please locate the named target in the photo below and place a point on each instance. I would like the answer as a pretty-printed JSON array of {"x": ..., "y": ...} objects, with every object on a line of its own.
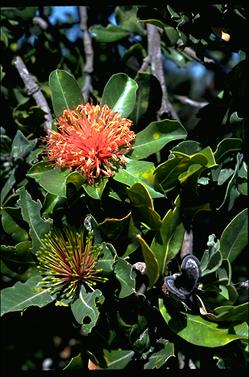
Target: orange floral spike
[{"x": 90, "y": 139}]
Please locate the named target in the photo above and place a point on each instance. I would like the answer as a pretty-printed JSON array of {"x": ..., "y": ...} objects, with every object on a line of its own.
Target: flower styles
[
  {"x": 90, "y": 139},
  {"x": 66, "y": 261}
]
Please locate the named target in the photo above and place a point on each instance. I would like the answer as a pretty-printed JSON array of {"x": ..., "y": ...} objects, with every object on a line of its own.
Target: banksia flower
[
  {"x": 66, "y": 261},
  {"x": 90, "y": 139}
]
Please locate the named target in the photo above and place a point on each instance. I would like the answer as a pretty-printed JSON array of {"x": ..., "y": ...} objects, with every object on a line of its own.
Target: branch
[
  {"x": 39, "y": 21},
  {"x": 188, "y": 101},
  {"x": 187, "y": 244},
  {"x": 33, "y": 89},
  {"x": 87, "y": 42},
  {"x": 190, "y": 52},
  {"x": 154, "y": 53}
]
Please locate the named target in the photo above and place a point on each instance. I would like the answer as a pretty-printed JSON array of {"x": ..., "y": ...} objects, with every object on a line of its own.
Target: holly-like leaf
[
  {"x": 234, "y": 238},
  {"x": 117, "y": 359},
  {"x": 126, "y": 277},
  {"x": 21, "y": 146},
  {"x": 160, "y": 357},
  {"x": 106, "y": 258},
  {"x": 53, "y": 180},
  {"x": 20, "y": 253},
  {"x": 120, "y": 94},
  {"x": 85, "y": 308},
  {"x": 66, "y": 93},
  {"x": 31, "y": 213},
  {"x": 155, "y": 136},
  {"x": 23, "y": 295},
  {"x": 196, "y": 330}
]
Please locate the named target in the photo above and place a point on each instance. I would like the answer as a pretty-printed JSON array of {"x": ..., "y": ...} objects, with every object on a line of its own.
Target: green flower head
[{"x": 67, "y": 260}]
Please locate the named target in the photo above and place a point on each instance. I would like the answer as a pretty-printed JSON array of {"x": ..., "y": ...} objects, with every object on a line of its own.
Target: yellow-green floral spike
[{"x": 66, "y": 262}]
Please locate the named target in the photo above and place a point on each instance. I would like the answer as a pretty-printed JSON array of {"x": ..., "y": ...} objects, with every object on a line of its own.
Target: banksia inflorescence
[
  {"x": 91, "y": 139},
  {"x": 65, "y": 261}
]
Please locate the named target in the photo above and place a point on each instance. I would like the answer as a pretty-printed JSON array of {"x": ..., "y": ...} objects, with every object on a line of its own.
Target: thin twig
[
  {"x": 39, "y": 21},
  {"x": 34, "y": 90},
  {"x": 191, "y": 53},
  {"x": 87, "y": 42},
  {"x": 191, "y": 102},
  {"x": 154, "y": 53}
]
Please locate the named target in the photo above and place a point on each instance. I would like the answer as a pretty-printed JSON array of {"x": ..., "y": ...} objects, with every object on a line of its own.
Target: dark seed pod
[
  {"x": 180, "y": 286},
  {"x": 191, "y": 272}
]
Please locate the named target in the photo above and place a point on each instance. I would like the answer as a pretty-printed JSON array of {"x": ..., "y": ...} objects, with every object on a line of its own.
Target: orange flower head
[{"x": 91, "y": 139}]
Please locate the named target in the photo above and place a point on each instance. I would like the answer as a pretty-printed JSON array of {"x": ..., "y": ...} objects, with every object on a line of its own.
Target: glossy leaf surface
[
  {"x": 155, "y": 136},
  {"x": 198, "y": 331},
  {"x": 85, "y": 308},
  {"x": 66, "y": 93},
  {"x": 120, "y": 94},
  {"x": 23, "y": 295}
]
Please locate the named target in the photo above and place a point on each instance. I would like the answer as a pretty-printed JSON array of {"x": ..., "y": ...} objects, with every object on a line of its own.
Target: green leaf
[
  {"x": 172, "y": 35},
  {"x": 54, "y": 180},
  {"x": 8, "y": 186},
  {"x": 66, "y": 93},
  {"x": 188, "y": 147},
  {"x": 138, "y": 171},
  {"x": 106, "y": 258},
  {"x": 146, "y": 100},
  {"x": 227, "y": 146},
  {"x": 112, "y": 228},
  {"x": 234, "y": 238},
  {"x": 126, "y": 277},
  {"x": 230, "y": 313},
  {"x": 143, "y": 206},
  {"x": 97, "y": 190},
  {"x": 23, "y": 295},
  {"x": 196, "y": 330},
  {"x": 76, "y": 362},
  {"x": 127, "y": 19},
  {"x": 117, "y": 359},
  {"x": 85, "y": 309},
  {"x": 167, "y": 242},
  {"x": 231, "y": 191},
  {"x": 50, "y": 202},
  {"x": 11, "y": 226},
  {"x": 110, "y": 33},
  {"x": 120, "y": 94},
  {"x": 20, "y": 253},
  {"x": 31, "y": 214},
  {"x": 21, "y": 146},
  {"x": 181, "y": 167},
  {"x": 159, "y": 358},
  {"x": 155, "y": 136},
  {"x": 152, "y": 268},
  {"x": 212, "y": 258}
]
